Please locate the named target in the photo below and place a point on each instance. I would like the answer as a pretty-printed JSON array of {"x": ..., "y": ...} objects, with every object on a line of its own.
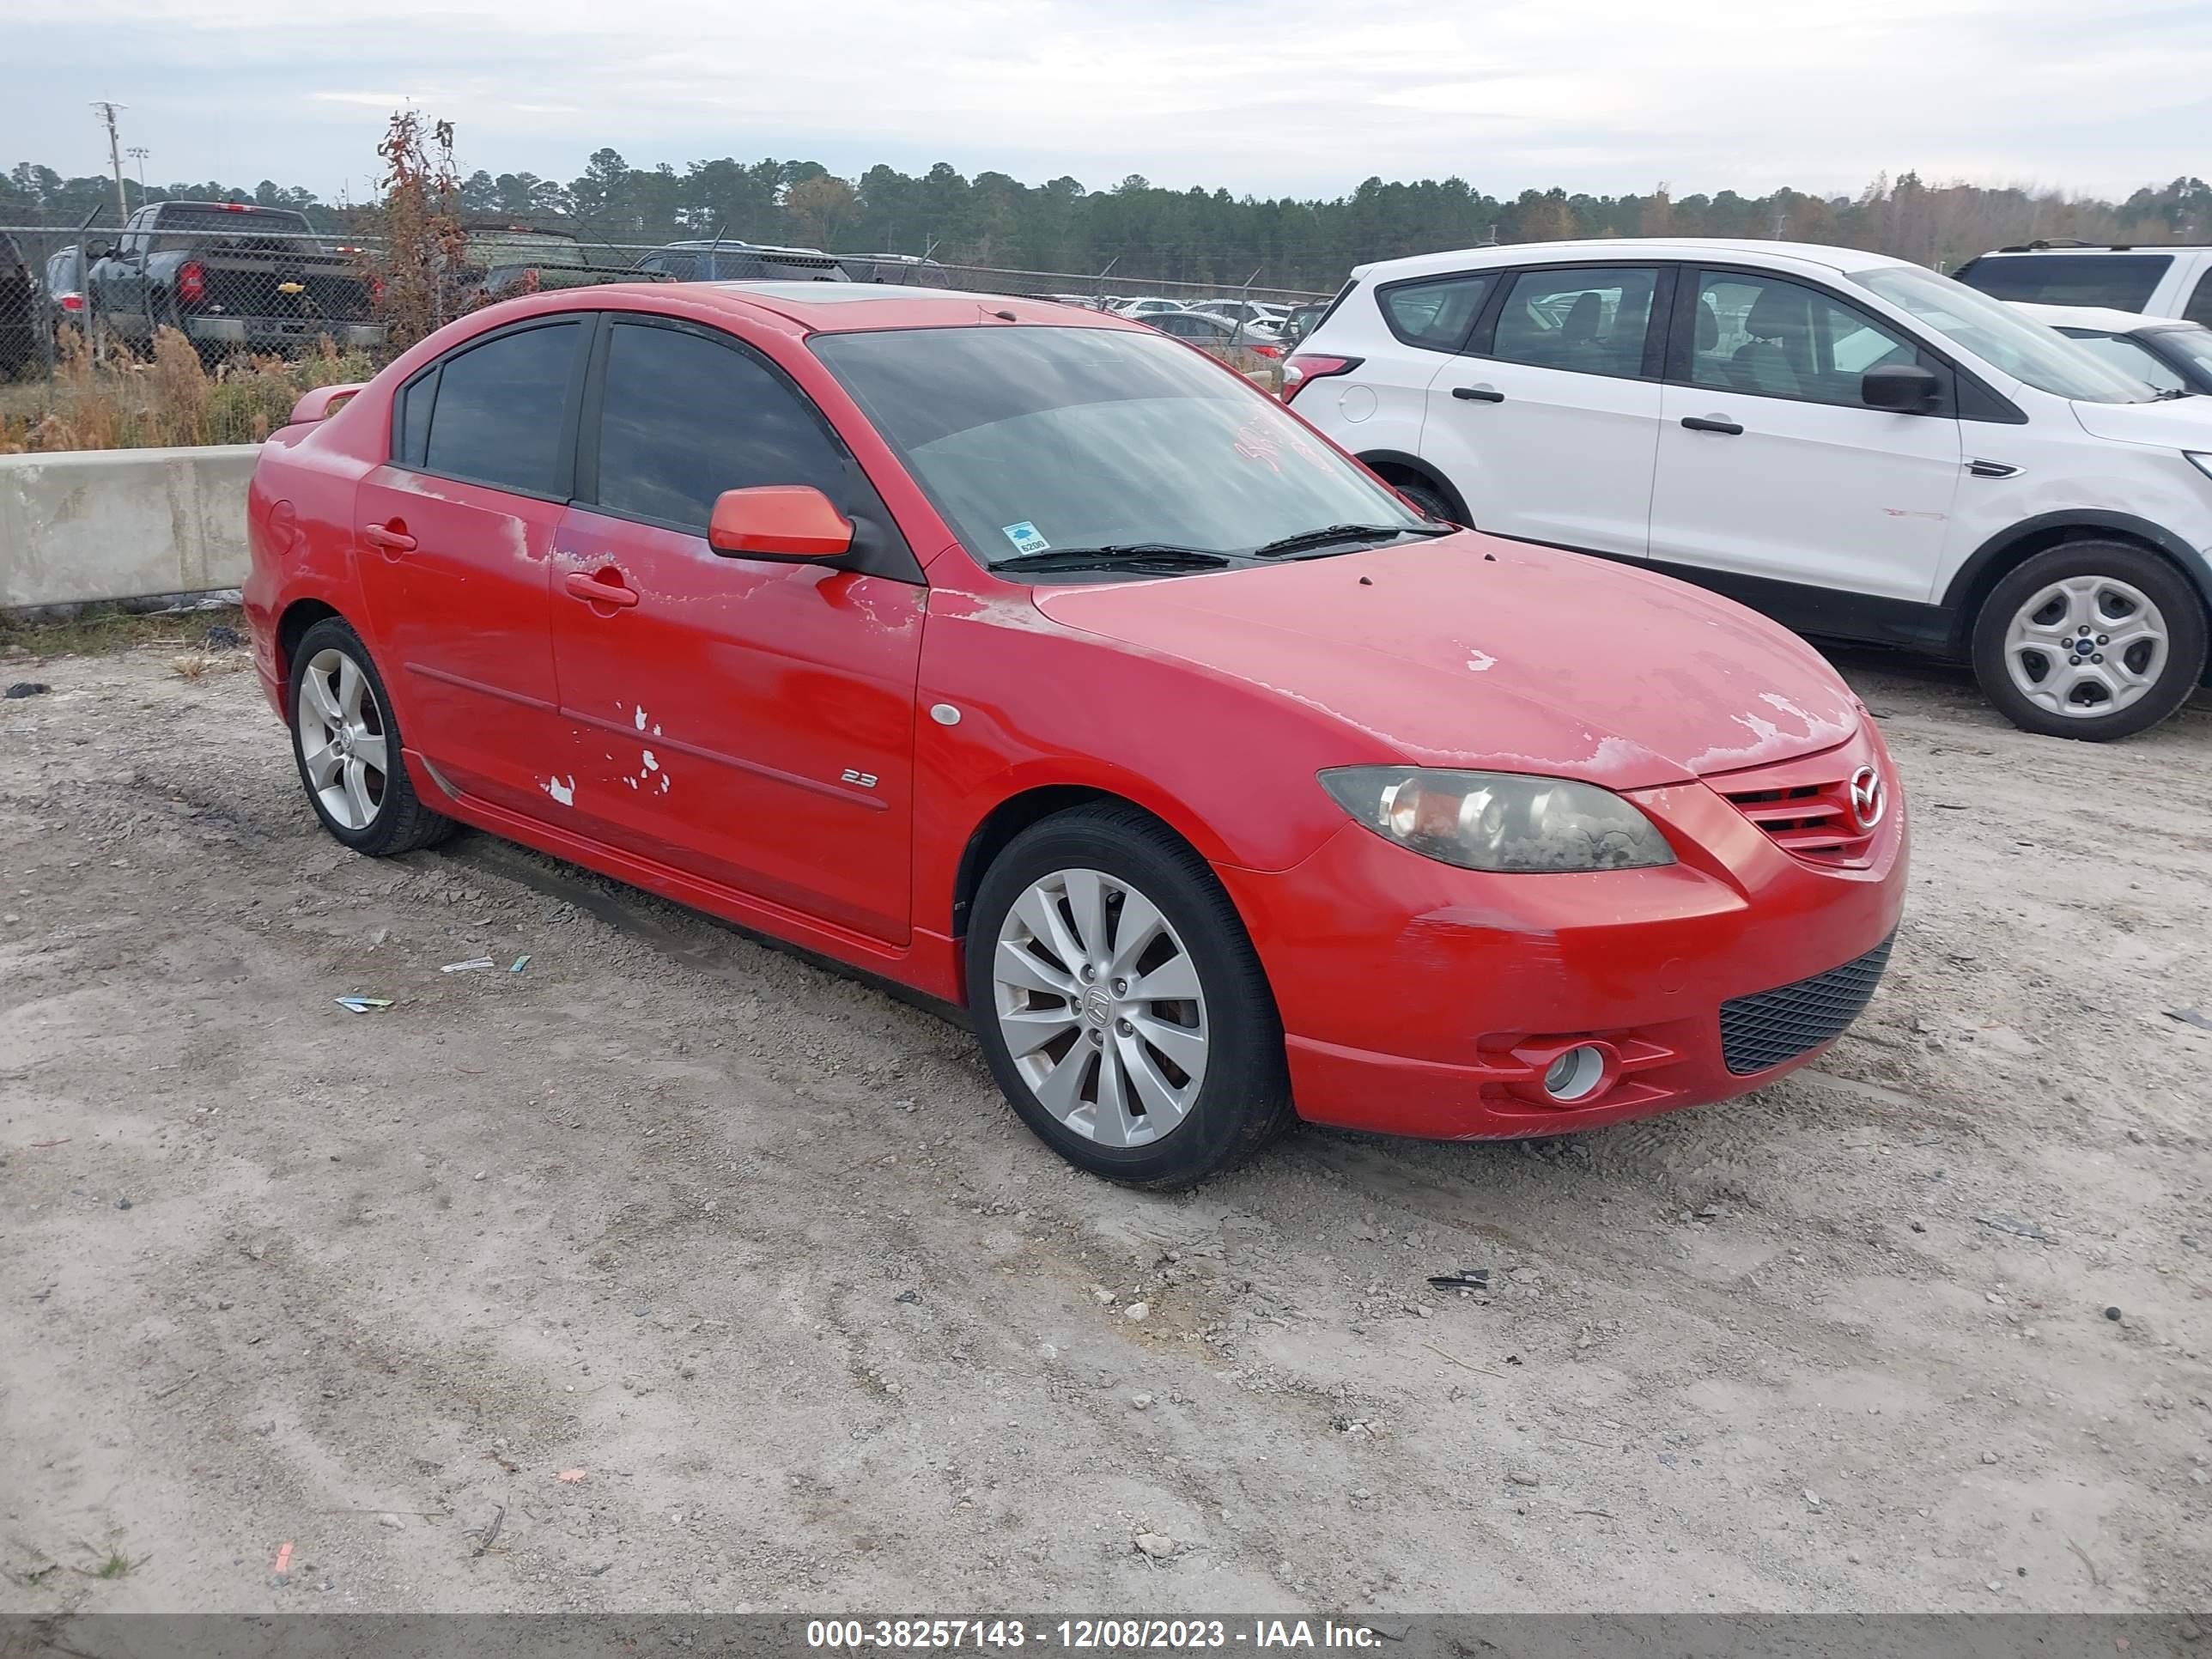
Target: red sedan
[{"x": 1021, "y": 656}]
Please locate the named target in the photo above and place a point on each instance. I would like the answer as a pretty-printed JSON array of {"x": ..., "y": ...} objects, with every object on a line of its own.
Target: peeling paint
[
  {"x": 563, "y": 790},
  {"x": 664, "y": 783},
  {"x": 656, "y": 728},
  {"x": 640, "y": 720},
  {"x": 1479, "y": 662},
  {"x": 651, "y": 764}
]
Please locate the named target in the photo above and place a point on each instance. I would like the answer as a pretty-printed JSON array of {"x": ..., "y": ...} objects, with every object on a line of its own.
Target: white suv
[
  {"x": 2169, "y": 281},
  {"x": 1854, "y": 445}
]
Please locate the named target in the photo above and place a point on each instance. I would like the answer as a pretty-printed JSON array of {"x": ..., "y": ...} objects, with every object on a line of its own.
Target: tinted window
[
  {"x": 1781, "y": 339},
  {"x": 415, "y": 402},
  {"x": 2130, "y": 358},
  {"x": 1078, "y": 438},
  {"x": 1591, "y": 319},
  {"x": 685, "y": 418},
  {"x": 1434, "y": 314},
  {"x": 498, "y": 417},
  {"x": 2199, "y": 308},
  {"x": 2122, "y": 281}
]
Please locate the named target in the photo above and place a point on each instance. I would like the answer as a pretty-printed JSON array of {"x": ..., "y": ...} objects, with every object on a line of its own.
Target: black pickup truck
[{"x": 233, "y": 277}]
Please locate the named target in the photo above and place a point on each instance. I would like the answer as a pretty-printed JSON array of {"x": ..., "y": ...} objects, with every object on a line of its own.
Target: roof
[
  {"x": 1613, "y": 248},
  {"x": 2104, "y": 318},
  {"x": 820, "y": 308},
  {"x": 2063, "y": 246}
]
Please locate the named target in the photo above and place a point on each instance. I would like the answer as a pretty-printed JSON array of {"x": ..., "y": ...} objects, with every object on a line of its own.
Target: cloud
[{"x": 1305, "y": 97}]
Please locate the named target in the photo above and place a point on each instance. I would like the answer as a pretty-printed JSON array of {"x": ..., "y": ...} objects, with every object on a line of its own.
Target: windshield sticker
[{"x": 1024, "y": 537}]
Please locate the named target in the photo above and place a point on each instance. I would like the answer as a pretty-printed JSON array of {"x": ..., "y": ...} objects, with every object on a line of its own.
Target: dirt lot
[{"x": 759, "y": 1252}]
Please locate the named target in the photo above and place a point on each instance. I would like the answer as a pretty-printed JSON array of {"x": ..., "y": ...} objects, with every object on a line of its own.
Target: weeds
[
  {"x": 174, "y": 400},
  {"x": 101, "y": 630}
]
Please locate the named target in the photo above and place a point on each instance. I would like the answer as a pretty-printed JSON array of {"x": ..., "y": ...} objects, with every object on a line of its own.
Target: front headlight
[
  {"x": 1499, "y": 821},
  {"x": 2199, "y": 460}
]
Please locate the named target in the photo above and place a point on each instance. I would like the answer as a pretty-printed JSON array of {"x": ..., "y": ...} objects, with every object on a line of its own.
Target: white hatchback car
[{"x": 1853, "y": 444}]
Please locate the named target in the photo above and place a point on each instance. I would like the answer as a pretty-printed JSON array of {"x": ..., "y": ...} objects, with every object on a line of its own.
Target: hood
[
  {"x": 1469, "y": 651},
  {"x": 2171, "y": 423}
]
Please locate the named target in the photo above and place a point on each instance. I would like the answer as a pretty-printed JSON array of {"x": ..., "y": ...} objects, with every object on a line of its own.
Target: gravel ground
[{"x": 676, "y": 1273}]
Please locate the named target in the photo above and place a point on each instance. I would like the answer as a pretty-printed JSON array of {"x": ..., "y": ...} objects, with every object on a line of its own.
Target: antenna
[{"x": 107, "y": 112}]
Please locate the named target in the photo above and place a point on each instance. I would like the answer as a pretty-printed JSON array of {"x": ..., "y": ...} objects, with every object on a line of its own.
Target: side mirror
[
  {"x": 794, "y": 523},
  {"x": 1906, "y": 388}
]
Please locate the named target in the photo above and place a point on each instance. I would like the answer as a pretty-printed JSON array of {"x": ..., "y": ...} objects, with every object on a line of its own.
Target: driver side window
[{"x": 1773, "y": 337}]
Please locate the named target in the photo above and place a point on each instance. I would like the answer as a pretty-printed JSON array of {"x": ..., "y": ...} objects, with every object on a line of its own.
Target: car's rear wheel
[
  {"x": 1119, "y": 1001},
  {"x": 2093, "y": 640},
  {"x": 346, "y": 741}
]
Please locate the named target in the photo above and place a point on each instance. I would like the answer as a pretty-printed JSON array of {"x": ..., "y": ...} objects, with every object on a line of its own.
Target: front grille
[
  {"x": 1769, "y": 1027},
  {"x": 1805, "y": 804}
]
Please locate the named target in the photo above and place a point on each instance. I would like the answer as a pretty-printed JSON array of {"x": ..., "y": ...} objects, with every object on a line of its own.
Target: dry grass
[
  {"x": 172, "y": 400},
  {"x": 99, "y": 629}
]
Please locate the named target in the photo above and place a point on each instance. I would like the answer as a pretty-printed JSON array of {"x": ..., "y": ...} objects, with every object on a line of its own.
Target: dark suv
[
  {"x": 20, "y": 308},
  {"x": 728, "y": 261}
]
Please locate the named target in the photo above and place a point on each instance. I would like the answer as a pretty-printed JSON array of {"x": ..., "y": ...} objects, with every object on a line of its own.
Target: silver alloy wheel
[
  {"x": 2086, "y": 646},
  {"x": 342, "y": 739},
  {"x": 1100, "y": 1006}
]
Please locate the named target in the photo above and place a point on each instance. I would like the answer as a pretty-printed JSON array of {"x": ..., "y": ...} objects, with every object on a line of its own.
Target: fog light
[{"x": 1576, "y": 1073}]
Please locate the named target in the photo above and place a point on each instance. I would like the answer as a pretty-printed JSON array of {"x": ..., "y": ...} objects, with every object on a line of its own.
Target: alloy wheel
[
  {"x": 1099, "y": 1002},
  {"x": 342, "y": 747},
  {"x": 2084, "y": 646}
]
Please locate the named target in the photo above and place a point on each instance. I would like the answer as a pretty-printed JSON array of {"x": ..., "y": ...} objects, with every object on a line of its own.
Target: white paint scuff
[
  {"x": 563, "y": 790},
  {"x": 640, "y": 720}
]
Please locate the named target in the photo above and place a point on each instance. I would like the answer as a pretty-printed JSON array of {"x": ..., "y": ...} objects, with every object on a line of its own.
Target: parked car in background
[
  {"x": 2166, "y": 353},
  {"x": 1250, "y": 311},
  {"x": 22, "y": 309},
  {"x": 2162, "y": 281},
  {"x": 906, "y": 269},
  {"x": 503, "y": 260},
  {"x": 1146, "y": 307},
  {"x": 1300, "y": 322},
  {"x": 730, "y": 261},
  {"x": 1859, "y": 447},
  {"x": 1205, "y": 328},
  {"x": 487, "y": 590},
  {"x": 232, "y": 278},
  {"x": 63, "y": 298}
]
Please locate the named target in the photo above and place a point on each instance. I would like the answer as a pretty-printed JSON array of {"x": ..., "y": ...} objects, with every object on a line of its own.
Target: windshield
[
  {"x": 2191, "y": 342},
  {"x": 1993, "y": 331},
  {"x": 1031, "y": 439}
]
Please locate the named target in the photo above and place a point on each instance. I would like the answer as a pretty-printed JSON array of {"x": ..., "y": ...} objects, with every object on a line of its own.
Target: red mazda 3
[{"x": 1026, "y": 657}]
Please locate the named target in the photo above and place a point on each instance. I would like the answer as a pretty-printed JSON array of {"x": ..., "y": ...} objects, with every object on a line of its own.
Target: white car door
[
  {"x": 1548, "y": 424},
  {"x": 1771, "y": 466}
]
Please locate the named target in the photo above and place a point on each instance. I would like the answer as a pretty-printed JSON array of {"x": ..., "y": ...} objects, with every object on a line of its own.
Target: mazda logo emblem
[{"x": 1870, "y": 801}]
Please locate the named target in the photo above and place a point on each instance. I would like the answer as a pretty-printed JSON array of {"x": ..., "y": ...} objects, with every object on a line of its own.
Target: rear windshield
[
  {"x": 2123, "y": 281},
  {"x": 1028, "y": 439},
  {"x": 258, "y": 222}
]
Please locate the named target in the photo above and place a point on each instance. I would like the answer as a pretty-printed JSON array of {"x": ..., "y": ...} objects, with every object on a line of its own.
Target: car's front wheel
[
  {"x": 346, "y": 741},
  {"x": 1120, "y": 1002},
  {"x": 2093, "y": 640}
]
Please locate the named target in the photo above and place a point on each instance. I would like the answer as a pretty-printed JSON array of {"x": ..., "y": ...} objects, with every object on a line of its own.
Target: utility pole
[
  {"x": 1781, "y": 222},
  {"x": 138, "y": 153},
  {"x": 114, "y": 154}
]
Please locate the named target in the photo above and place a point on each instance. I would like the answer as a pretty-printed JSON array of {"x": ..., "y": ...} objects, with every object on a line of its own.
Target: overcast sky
[{"x": 1302, "y": 97}]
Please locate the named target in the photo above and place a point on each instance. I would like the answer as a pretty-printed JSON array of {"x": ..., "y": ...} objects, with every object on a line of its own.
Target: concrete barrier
[{"x": 122, "y": 524}]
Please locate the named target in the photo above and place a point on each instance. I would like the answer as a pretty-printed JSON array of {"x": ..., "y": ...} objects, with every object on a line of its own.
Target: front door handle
[
  {"x": 1478, "y": 394},
  {"x": 1709, "y": 423},
  {"x": 391, "y": 540},
  {"x": 591, "y": 588}
]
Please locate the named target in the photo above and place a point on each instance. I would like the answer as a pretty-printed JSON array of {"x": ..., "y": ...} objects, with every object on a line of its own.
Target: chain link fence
[{"x": 204, "y": 323}]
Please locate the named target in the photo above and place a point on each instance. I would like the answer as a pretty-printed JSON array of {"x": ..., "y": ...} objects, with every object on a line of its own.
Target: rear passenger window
[
  {"x": 498, "y": 417},
  {"x": 2123, "y": 281},
  {"x": 2199, "y": 308},
  {"x": 1591, "y": 319},
  {"x": 684, "y": 418},
  {"x": 1435, "y": 314}
]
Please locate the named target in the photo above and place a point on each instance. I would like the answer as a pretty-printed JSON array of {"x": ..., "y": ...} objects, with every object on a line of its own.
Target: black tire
[
  {"x": 1430, "y": 499},
  {"x": 1244, "y": 1095},
  {"x": 2140, "y": 568},
  {"x": 401, "y": 823}
]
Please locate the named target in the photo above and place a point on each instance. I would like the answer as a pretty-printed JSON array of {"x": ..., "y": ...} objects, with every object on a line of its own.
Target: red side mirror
[{"x": 795, "y": 522}]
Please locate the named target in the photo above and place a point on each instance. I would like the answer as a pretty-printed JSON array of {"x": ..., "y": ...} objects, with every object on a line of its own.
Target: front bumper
[{"x": 1421, "y": 999}]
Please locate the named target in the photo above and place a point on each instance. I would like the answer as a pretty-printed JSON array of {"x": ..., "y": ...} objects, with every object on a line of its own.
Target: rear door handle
[
  {"x": 391, "y": 541},
  {"x": 1707, "y": 423},
  {"x": 1478, "y": 394},
  {"x": 591, "y": 588}
]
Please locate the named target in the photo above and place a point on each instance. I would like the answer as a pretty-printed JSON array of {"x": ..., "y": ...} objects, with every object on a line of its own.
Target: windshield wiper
[
  {"x": 1125, "y": 555},
  {"x": 2167, "y": 394},
  {"x": 1330, "y": 535}
]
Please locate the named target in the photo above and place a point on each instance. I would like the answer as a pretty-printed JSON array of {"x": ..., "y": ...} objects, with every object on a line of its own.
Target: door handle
[
  {"x": 1478, "y": 394},
  {"x": 391, "y": 541},
  {"x": 1708, "y": 424},
  {"x": 591, "y": 588}
]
